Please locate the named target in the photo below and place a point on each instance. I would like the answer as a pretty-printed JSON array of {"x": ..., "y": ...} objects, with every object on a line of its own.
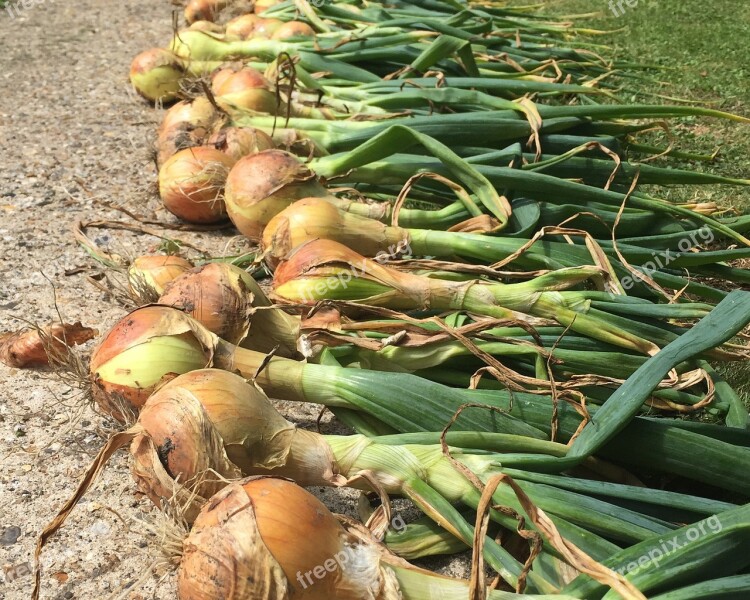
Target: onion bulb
[
  {"x": 206, "y": 26},
  {"x": 217, "y": 296},
  {"x": 152, "y": 273},
  {"x": 203, "y": 10},
  {"x": 156, "y": 74},
  {"x": 237, "y": 142},
  {"x": 141, "y": 352},
  {"x": 257, "y": 538},
  {"x": 186, "y": 124},
  {"x": 260, "y": 186},
  {"x": 293, "y": 29},
  {"x": 245, "y": 88},
  {"x": 266, "y": 28},
  {"x": 191, "y": 183},
  {"x": 242, "y": 27},
  {"x": 227, "y": 300},
  {"x": 314, "y": 218}
]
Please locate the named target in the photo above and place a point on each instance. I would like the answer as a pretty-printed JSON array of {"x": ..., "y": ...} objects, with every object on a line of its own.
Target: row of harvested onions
[{"x": 190, "y": 374}]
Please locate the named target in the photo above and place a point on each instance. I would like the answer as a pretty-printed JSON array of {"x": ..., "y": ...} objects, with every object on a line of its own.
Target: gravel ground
[{"x": 73, "y": 135}]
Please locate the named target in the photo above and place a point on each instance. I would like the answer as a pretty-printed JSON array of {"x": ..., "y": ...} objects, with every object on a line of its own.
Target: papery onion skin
[
  {"x": 261, "y": 186},
  {"x": 185, "y": 125},
  {"x": 242, "y": 27},
  {"x": 315, "y": 218},
  {"x": 191, "y": 184},
  {"x": 203, "y": 10},
  {"x": 266, "y": 28},
  {"x": 217, "y": 296},
  {"x": 209, "y": 26},
  {"x": 140, "y": 353}
]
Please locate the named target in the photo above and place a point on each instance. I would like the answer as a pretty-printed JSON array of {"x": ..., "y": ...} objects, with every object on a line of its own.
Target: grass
[
  {"x": 701, "y": 48},
  {"x": 702, "y": 51}
]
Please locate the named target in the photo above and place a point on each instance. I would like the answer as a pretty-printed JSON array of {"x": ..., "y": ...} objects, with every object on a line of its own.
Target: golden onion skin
[{"x": 191, "y": 184}]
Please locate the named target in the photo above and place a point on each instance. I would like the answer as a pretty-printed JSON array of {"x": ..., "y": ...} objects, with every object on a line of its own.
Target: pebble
[{"x": 10, "y": 536}]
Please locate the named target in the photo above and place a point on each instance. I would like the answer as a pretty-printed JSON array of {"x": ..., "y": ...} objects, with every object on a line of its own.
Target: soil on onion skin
[{"x": 73, "y": 134}]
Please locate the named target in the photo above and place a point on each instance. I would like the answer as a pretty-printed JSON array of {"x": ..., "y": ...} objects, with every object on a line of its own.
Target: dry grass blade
[{"x": 573, "y": 555}]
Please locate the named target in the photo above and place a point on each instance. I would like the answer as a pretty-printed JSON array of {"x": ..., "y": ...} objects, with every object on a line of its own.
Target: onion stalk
[{"x": 326, "y": 270}]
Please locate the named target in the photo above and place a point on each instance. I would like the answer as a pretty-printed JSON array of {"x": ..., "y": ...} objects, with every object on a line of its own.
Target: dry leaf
[{"x": 32, "y": 347}]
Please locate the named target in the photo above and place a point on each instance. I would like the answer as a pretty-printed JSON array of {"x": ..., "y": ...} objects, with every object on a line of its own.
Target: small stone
[{"x": 10, "y": 536}]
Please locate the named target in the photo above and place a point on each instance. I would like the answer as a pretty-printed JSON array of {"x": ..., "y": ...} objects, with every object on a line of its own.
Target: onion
[
  {"x": 206, "y": 26},
  {"x": 293, "y": 29},
  {"x": 313, "y": 218},
  {"x": 237, "y": 142},
  {"x": 186, "y": 124},
  {"x": 260, "y": 186},
  {"x": 141, "y": 352},
  {"x": 40, "y": 346},
  {"x": 217, "y": 296},
  {"x": 224, "y": 299},
  {"x": 266, "y": 28},
  {"x": 203, "y": 10},
  {"x": 191, "y": 182},
  {"x": 245, "y": 88},
  {"x": 242, "y": 27},
  {"x": 156, "y": 74},
  {"x": 245, "y": 545},
  {"x": 153, "y": 273}
]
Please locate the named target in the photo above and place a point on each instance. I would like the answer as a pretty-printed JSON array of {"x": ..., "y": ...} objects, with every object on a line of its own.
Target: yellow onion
[
  {"x": 156, "y": 74},
  {"x": 244, "y": 88},
  {"x": 293, "y": 29},
  {"x": 213, "y": 422},
  {"x": 260, "y": 186},
  {"x": 314, "y": 218},
  {"x": 151, "y": 274},
  {"x": 237, "y": 142},
  {"x": 155, "y": 343},
  {"x": 326, "y": 270},
  {"x": 242, "y": 27},
  {"x": 203, "y": 10},
  {"x": 266, "y": 28},
  {"x": 186, "y": 124},
  {"x": 141, "y": 352},
  {"x": 191, "y": 184},
  {"x": 206, "y": 26},
  {"x": 257, "y": 538},
  {"x": 224, "y": 299},
  {"x": 263, "y": 5},
  {"x": 217, "y": 296}
]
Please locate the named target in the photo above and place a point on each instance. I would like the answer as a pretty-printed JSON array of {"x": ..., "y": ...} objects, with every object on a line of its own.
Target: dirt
[{"x": 74, "y": 135}]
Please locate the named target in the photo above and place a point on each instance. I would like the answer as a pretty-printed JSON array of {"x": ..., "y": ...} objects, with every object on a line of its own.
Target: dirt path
[{"x": 68, "y": 121}]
